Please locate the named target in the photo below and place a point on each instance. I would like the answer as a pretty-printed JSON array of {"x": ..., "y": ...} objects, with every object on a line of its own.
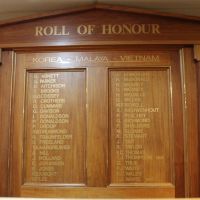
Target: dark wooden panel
[
  {"x": 5, "y": 120},
  {"x": 198, "y": 95},
  {"x": 141, "y": 127},
  {"x": 178, "y": 125},
  {"x": 190, "y": 116},
  {"x": 198, "y": 77}
]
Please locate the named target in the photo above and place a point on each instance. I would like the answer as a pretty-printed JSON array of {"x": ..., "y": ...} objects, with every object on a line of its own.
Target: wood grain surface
[
  {"x": 87, "y": 111},
  {"x": 190, "y": 116},
  {"x": 98, "y": 26},
  {"x": 6, "y": 75},
  {"x": 152, "y": 165}
]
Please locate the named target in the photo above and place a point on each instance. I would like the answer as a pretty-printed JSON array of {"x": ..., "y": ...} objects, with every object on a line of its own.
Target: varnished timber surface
[
  {"x": 96, "y": 114},
  {"x": 137, "y": 90},
  {"x": 197, "y": 52},
  {"x": 190, "y": 117},
  {"x": 100, "y": 6},
  {"x": 198, "y": 82},
  {"x": 21, "y": 198},
  {"x": 97, "y": 26},
  {"x": 5, "y": 119}
]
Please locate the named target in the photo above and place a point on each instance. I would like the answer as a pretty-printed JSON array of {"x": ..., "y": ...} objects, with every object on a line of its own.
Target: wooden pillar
[
  {"x": 5, "y": 119},
  {"x": 197, "y": 52},
  {"x": 190, "y": 118},
  {"x": 197, "y": 59},
  {"x": 0, "y": 56}
]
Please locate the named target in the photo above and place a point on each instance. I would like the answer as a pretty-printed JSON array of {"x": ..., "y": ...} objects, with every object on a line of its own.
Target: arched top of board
[
  {"x": 98, "y": 6},
  {"x": 99, "y": 25}
]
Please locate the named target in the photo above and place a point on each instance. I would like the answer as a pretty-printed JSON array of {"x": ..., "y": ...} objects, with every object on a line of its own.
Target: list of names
[
  {"x": 131, "y": 121},
  {"x": 50, "y": 134}
]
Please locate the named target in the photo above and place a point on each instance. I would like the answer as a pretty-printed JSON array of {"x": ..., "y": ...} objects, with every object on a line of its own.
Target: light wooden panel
[
  {"x": 90, "y": 76},
  {"x": 55, "y": 127},
  {"x": 97, "y": 124},
  {"x": 99, "y": 192},
  {"x": 140, "y": 127}
]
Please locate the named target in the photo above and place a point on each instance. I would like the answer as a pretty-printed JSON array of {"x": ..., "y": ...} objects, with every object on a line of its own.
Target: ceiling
[{"x": 10, "y": 9}]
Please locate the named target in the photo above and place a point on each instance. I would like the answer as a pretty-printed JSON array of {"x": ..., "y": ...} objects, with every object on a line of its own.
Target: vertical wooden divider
[
  {"x": 197, "y": 58},
  {"x": 198, "y": 77},
  {"x": 6, "y": 70},
  {"x": 97, "y": 127},
  {"x": 190, "y": 117}
]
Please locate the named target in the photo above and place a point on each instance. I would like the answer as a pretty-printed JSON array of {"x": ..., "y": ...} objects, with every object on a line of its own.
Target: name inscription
[
  {"x": 104, "y": 29},
  {"x": 138, "y": 151},
  {"x": 51, "y": 146}
]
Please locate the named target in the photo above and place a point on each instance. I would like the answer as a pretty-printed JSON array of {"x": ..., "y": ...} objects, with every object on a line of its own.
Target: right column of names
[{"x": 138, "y": 115}]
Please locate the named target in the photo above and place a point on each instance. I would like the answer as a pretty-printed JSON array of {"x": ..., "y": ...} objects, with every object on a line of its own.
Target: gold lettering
[
  {"x": 126, "y": 28},
  {"x": 49, "y": 91},
  {"x": 155, "y": 28},
  {"x": 146, "y": 28},
  {"x": 140, "y": 58},
  {"x": 82, "y": 29},
  {"x": 60, "y": 30},
  {"x": 106, "y": 29},
  {"x": 117, "y": 29},
  {"x": 48, "y": 30},
  {"x": 51, "y": 30},
  {"x": 90, "y": 29},
  {"x": 85, "y": 29},
  {"x": 109, "y": 29},
  {"x": 38, "y": 31},
  {"x": 135, "y": 29},
  {"x": 48, "y": 60}
]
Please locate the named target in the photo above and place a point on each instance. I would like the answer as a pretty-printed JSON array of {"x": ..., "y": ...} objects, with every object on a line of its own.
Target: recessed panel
[
  {"x": 55, "y": 127},
  {"x": 140, "y": 126}
]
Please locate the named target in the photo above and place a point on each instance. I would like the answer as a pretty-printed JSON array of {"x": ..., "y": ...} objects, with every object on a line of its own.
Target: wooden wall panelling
[
  {"x": 97, "y": 121},
  {"x": 197, "y": 58},
  {"x": 98, "y": 26},
  {"x": 64, "y": 128},
  {"x": 26, "y": 126},
  {"x": 177, "y": 125},
  {"x": 0, "y": 56},
  {"x": 190, "y": 119},
  {"x": 198, "y": 81},
  {"x": 16, "y": 139},
  {"x": 97, "y": 139},
  {"x": 141, "y": 142},
  {"x": 197, "y": 52},
  {"x": 98, "y": 6},
  {"x": 5, "y": 119},
  {"x": 97, "y": 127}
]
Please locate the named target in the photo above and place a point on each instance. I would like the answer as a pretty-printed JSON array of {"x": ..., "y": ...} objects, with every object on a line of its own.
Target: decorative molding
[
  {"x": 102, "y": 6},
  {"x": 0, "y": 56},
  {"x": 197, "y": 52}
]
